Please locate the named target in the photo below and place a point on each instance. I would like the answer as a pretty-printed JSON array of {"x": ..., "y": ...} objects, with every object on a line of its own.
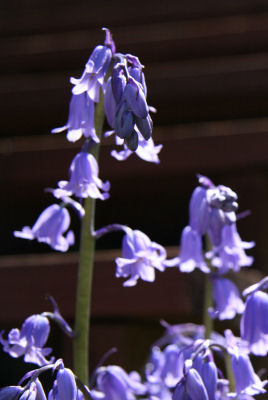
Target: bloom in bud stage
[
  {"x": 84, "y": 179},
  {"x": 49, "y": 228},
  {"x": 254, "y": 323},
  {"x": 139, "y": 258},
  {"x": 191, "y": 386},
  {"x": 125, "y": 103},
  {"x": 29, "y": 341},
  {"x": 226, "y": 298}
]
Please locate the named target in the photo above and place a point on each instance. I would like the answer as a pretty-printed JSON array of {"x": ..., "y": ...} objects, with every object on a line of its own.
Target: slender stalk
[
  {"x": 229, "y": 372},
  {"x": 85, "y": 272}
]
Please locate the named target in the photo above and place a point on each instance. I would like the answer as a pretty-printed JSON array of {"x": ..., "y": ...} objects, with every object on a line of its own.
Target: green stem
[
  {"x": 229, "y": 372},
  {"x": 207, "y": 320},
  {"x": 85, "y": 272}
]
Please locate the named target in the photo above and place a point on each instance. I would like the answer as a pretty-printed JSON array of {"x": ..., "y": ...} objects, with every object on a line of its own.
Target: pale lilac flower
[
  {"x": 29, "y": 341},
  {"x": 81, "y": 119},
  {"x": 164, "y": 368},
  {"x": 96, "y": 68},
  {"x": 230, "y": 254},
  {"x": 146, "y": 150},
  {"x": 254, "y": 323},
  {"x": 140, "y": 258},
  {"x": 84, "y": 179},
  {"x": 226, "y": 298},
  {"x": 114, "y": 383},
  {"x": 191, "y": 255},
  {"x": 49, "y": 228}
]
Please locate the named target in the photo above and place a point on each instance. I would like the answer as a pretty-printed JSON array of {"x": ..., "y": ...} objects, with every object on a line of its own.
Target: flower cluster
[{"x": 183, "y": 363}]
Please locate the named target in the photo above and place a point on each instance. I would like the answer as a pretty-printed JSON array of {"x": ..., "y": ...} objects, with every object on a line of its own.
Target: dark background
[{"x": 206, "y": 66}]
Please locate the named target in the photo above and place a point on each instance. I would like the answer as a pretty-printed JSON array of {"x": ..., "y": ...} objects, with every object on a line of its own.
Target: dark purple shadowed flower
[
  {"x": 10, "y": 392},
  {"x": 226, "y": 298},
  {"x": 29, "y": 341},
  {"x": 191, "y": 386},
  {"x": 254, "y": 323},
  {"x": 84, "y": 179},
  {"x": 113, "y": 383},
  {"x": 50, "y": 228},
  {"x": 81, "y": 119},
  {"x": 208, "y": 373},
  {"x": 191, "y": 256},
  {"x": 140, "y": 258},
  {"x": 126, "y": 107}
]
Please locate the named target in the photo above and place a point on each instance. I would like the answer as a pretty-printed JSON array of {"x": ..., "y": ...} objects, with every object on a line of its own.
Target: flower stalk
[{"x": 85, "y": 272}]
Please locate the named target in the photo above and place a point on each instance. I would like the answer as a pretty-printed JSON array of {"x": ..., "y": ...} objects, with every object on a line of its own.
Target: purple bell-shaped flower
[
  {"x": 140, "y": 258},
  {"x": 49, "y": 228},
  {"x": 29, "y": 341}
]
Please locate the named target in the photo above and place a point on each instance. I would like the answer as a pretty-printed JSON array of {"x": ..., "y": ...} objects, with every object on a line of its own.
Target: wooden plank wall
[{"x": 207, "y": 75}]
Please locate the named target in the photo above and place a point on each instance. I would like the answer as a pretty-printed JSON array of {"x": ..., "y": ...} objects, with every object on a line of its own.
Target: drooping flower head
[
  {"x": 126, "y": 107},
  {"x": 212, "y": 212},
  {"x": 140, "y": 258},
  {"x": 85, "y": 93},
  {"x": 49, "y": 228}
]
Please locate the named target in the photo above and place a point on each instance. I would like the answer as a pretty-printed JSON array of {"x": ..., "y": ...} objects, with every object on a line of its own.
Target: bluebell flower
[
  {"x": 254, "y": 323},
  {"x": 29, "y": 341},
  {"x": 191, "y": 386},
  {"x": 84, "y": 179},
  {"x": 66, "y": 385},
  {"x": 246, "y": 380},
  {"x": 125, "y": 104},
  {"x": 191, "y": 255},
  {"x": 146, "y": 150},
  {"x": 164, "y": 367},
  {"x": 114, "y": 383},
  {"x": 140, "y": 258},
  {"x": 96, "y": 68},
  {"x": 208, "y": 372},
  {"x": 230, "y": 254},
  {"x": 49, "y": 228},
  {"x": 226, "y": 298},
  {"x": 199, "y": 210},
  {"x": 81, "y": 119},
  {"x": 10, "y": 392}
]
